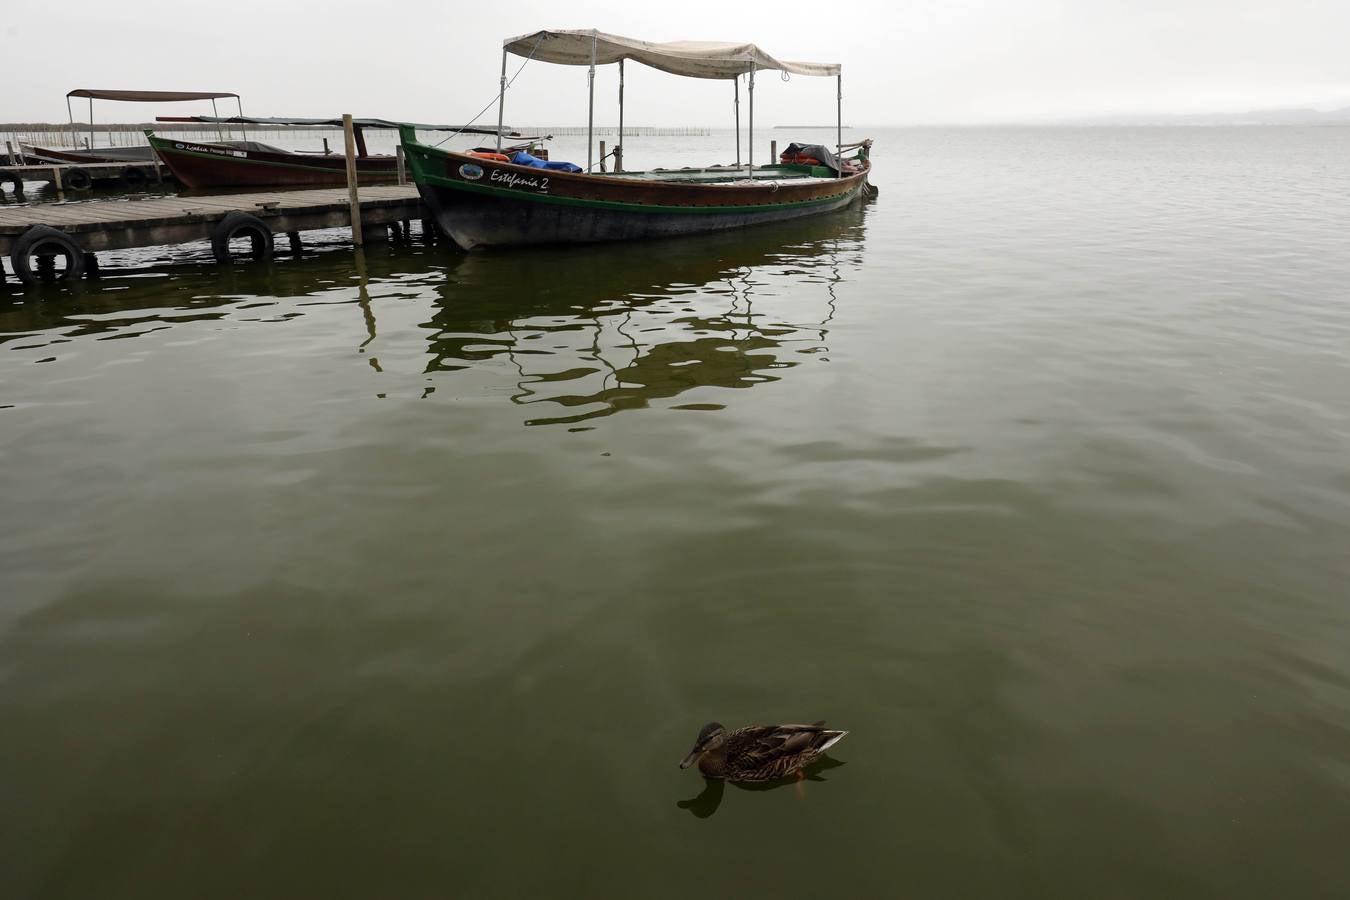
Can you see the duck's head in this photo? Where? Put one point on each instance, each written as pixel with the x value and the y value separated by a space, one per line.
pixel 710 738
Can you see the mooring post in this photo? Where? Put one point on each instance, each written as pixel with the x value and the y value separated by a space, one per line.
pixel 773 152
pixel 9 148
pixel 602 156
pixel 349 138
pixel 296 246
pixel 402 172
pixel 618 158
pixel 56 179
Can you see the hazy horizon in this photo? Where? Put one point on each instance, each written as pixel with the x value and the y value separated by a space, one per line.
pixel 969 62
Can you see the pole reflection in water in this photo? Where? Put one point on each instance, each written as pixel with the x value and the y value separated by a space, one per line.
pixel 595 331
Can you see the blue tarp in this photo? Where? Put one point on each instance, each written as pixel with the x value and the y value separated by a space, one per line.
pixel 521 158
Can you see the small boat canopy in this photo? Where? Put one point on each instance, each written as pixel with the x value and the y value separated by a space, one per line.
pixel 143 97
pixel 151 96
pixel 693 59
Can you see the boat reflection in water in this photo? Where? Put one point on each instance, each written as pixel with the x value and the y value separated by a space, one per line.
pixel 595 330
pixel 571 333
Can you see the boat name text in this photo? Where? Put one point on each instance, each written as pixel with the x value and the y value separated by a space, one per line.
pixel 217 151
pixel 515 180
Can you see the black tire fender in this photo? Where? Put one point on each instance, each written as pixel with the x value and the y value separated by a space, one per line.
pixel 13 179
pixel 40 240
pixel 135 177
pixel 77 179
pixel 241 224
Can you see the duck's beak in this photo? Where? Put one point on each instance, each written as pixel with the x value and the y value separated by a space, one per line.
pixel 691 758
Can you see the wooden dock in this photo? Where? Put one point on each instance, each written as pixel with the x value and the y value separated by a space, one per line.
pixel 76 231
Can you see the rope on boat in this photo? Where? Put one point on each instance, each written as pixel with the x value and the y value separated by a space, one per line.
pixel 499 95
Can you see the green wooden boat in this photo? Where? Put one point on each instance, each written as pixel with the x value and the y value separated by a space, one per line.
pixel 484 199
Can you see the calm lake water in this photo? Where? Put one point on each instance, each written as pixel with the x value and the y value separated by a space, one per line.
pixel 417 576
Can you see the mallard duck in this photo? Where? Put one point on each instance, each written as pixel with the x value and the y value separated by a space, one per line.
pixel 759 752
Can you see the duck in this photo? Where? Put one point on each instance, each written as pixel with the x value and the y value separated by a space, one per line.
pixel 759 752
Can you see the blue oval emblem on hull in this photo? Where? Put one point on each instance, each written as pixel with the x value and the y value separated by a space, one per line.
pixel 470 171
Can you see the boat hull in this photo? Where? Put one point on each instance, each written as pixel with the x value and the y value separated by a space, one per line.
pixel 79 157
pixel 207 165
pixel 473 221
pixel 484 203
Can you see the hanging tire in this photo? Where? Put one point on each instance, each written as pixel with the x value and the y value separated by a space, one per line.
pixel 43 241
pixel 13 179
pixel 241 224
pixel 135 177
pixel 77 179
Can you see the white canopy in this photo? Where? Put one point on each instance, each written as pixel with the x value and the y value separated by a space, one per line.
pixel 694 59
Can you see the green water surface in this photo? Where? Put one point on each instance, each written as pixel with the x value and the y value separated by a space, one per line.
pixel 415 574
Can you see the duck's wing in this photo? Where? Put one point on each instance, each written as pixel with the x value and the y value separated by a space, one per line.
pixel 775 750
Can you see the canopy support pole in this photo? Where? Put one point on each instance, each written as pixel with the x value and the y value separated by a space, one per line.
pixel 590 115
pixel 738 120
pixel 74 142
pixel 501 100
pixel 839 122
pixel 618 160
pixel 751 145
pixel 215 114
pixel 91 123
pixel 239 104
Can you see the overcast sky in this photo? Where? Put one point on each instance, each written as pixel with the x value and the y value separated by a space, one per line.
pixel 905 62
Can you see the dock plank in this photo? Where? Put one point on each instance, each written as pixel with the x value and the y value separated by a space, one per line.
pixel 121 223
pixel 88 212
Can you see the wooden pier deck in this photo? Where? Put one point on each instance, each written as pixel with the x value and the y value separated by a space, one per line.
pixel 123 223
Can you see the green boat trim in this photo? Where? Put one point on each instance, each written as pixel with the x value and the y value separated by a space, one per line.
pixel 509 194
pixel 418 154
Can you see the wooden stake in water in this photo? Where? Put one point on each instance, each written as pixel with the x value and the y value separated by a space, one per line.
pixel 402 170
pixel 349 139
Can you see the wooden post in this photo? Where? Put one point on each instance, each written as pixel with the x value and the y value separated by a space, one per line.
pixel 773 152
pixel 349 139
pixel 618 158
pixel 402 171
pixel 602 156
pixel 9 148
pixel 56 179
